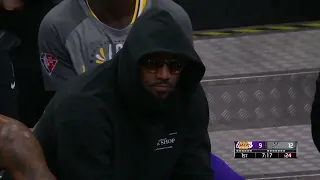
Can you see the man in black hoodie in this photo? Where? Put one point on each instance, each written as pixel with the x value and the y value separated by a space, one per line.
pixel 143 115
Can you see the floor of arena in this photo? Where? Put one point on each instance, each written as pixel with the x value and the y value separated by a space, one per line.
pixel 263 85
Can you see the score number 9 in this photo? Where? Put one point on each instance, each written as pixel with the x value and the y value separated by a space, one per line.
pixel 260 145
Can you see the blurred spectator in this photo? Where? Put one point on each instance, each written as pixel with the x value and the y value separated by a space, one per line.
pixel 315 116
pixel 8 41
pixel 8 92
pixel 22 19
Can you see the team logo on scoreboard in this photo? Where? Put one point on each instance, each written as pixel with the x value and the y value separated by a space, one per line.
pixel 244 145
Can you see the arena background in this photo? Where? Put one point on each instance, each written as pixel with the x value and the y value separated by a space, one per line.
pixel 259 79
pixel 262 60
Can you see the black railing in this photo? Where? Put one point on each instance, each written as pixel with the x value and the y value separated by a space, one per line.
pixel 216 14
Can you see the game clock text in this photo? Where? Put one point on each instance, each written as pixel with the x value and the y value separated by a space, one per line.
pixel 265 149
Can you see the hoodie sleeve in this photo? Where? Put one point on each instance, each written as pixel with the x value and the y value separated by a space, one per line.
pixel 83 139
pixel 315 116
pixel 194 163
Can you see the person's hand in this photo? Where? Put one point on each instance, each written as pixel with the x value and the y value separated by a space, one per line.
pixel 11 5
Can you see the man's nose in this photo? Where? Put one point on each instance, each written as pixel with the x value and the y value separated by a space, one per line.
pixel 163 72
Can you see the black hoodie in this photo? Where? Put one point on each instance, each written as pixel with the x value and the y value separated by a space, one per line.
pixel 105 126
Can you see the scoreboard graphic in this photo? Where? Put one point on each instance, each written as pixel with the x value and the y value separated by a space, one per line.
pixel 266 149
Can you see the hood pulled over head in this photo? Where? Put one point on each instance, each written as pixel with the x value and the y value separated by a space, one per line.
pixel 156 32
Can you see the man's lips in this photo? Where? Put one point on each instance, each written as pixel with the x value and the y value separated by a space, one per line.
pixel 162 87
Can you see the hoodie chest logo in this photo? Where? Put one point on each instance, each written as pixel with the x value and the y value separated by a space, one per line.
pixel 166 142
pixel 105 52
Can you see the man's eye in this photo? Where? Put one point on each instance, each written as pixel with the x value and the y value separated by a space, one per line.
pixel 150 61
pixel 176 64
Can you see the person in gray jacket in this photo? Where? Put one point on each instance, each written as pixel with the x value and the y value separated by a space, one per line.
pixel 79 35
